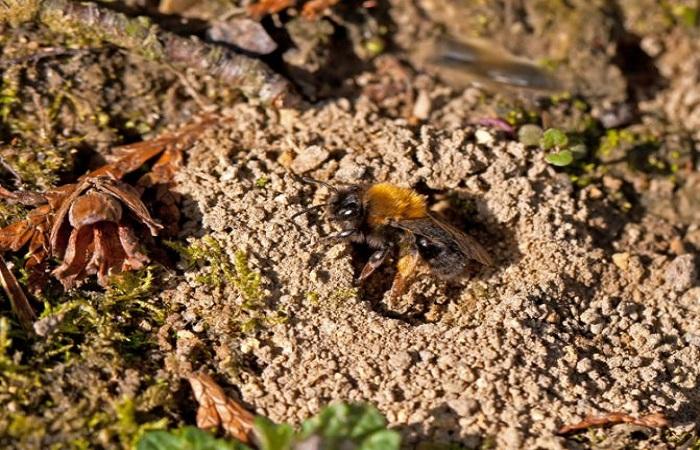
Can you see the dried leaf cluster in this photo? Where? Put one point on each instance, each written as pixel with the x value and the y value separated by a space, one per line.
pixel 94 226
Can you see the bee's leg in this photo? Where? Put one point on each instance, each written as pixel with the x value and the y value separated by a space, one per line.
pixel 374 262
pixel 340 235
pixel 406 266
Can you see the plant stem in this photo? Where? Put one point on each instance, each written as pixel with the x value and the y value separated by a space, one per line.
pixel 93 22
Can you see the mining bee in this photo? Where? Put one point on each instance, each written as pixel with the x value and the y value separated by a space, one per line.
pixel 390 218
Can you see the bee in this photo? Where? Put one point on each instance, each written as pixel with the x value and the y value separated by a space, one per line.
pixel 461 62
pixel 393 219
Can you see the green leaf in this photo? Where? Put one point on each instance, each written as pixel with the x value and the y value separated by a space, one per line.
pixel 351 426
pixel 382 440
pixel 553 138
pixel 272 436
pixel 187 438
pixel 561 159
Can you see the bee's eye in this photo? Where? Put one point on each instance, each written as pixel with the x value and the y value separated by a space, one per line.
pixel 349 209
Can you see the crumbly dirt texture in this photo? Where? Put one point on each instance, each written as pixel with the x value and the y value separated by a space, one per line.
pixel 592 305
pixel 559 329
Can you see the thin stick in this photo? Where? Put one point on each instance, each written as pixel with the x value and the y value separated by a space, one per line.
pixel 655 420
pixel 20 304
pixel 5 165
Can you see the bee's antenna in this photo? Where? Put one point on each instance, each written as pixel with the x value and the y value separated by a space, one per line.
pixel 309 180
pixel 308 210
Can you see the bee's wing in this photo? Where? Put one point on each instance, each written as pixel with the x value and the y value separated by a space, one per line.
pixel 435 229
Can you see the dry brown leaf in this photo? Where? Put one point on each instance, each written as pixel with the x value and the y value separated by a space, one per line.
pixel 314 8
pixel 655 420
pixel 100 242
pixel 216 408
pixel 88 231
pixel 128 158
pixel 264 7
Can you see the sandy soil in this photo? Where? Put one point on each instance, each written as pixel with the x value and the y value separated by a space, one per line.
pixel 591 307
pixel 559 329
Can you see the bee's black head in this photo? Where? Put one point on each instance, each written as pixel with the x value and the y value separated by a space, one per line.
pixel 345 208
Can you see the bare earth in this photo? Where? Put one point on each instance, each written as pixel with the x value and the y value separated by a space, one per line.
pixel 559 329
pixel 592 306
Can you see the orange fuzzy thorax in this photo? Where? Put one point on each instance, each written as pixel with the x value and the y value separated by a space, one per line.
pixel 387 202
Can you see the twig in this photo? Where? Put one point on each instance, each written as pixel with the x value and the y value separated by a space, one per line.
pixel 655 420
pixel 5 165
pixel 51 52
pixel 20 304
pixel 139 35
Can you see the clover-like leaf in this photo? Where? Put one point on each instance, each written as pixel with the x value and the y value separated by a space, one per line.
pixel 560 159
pixel 186 438
pixel 554 138
pixel 272 436
pixel 341 424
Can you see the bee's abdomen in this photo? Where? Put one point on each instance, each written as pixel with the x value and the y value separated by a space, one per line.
pixel 445 260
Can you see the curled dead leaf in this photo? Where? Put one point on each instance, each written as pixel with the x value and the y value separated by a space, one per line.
pixel 97 237
pixel 217 409
pixel 89 224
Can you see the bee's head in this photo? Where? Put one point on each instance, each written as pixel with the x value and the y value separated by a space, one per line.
pixel 346 209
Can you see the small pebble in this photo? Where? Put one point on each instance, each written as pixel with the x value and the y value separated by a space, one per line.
pixel 621 260
pixel 681 273
pixel 483 137
pixel 309 159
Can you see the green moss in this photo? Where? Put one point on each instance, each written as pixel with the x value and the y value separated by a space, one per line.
pixel 488 443
pixel 127 427
pixel 246 280
pixel 344 294
pixel 39 168
pixel 313 297
pixel 18 11
pixel 519 116
pixel 685 15
pixel 262 182
pixel 7 364
pixel 375 46
pixel 91 340
pixel 208 253
pixel 612 141
pixel 9 92
pixel 11 213
pixel 217 270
